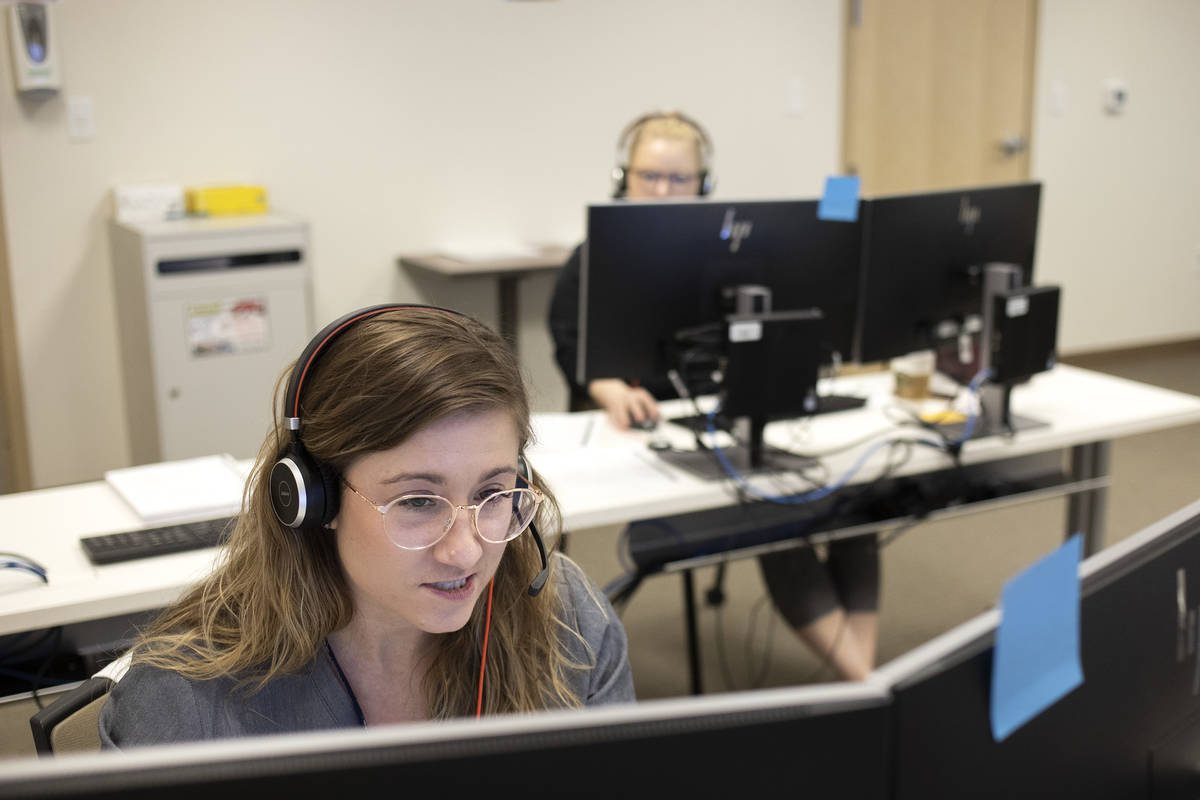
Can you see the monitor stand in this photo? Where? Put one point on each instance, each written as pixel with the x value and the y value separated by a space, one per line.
pixel 827 403
pixel 994 419
pixel 990 426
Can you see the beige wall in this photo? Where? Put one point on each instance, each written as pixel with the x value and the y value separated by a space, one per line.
pixel 1120 221
pixel 398 126
pixel 391 127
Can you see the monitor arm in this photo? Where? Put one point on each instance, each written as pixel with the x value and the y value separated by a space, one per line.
pixel 994 397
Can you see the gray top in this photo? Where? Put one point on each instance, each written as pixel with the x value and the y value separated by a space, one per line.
pixel 151 705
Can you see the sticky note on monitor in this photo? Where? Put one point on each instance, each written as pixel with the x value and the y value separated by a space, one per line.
pixel 840 200
pixel 1036 658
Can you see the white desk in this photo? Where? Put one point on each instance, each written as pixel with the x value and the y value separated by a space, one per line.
pixel 614 478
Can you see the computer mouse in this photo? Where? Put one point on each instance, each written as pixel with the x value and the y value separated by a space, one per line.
pixel 647 424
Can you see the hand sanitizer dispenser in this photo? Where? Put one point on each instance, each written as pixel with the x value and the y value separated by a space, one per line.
pixel 34 46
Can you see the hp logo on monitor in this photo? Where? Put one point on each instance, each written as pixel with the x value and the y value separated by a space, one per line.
pixel 733 231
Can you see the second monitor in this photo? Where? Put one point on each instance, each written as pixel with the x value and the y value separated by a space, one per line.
pixel 924 260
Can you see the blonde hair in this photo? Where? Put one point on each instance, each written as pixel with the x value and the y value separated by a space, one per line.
pixel 266 609
pixel 668 125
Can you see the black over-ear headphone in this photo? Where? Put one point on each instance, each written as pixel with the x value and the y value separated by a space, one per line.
pixel 620 173
pixel 305 493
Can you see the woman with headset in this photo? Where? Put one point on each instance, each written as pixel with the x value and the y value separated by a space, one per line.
pixel 831 603
pixel 387 564
pixel 661 154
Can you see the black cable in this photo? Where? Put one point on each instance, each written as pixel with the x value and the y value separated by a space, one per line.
pixel 755 678
pixel 757 681
pixel 950 446
pixel 715 595
pixel 722 657
pixel 41 673
pixel 623 585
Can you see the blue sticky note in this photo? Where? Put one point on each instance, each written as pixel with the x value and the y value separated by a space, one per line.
pixel 1036 658
pixel 840 201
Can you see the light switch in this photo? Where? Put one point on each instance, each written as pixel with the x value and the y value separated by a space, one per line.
pixel 81 119
pixel 1058 98
pixel 795 105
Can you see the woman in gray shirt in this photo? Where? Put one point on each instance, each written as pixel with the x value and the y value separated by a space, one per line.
pixel 387 564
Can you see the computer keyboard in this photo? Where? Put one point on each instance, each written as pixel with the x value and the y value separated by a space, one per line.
pixel 109 548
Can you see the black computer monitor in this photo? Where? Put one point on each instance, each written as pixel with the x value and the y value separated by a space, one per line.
pixel 923 257
pixel 822 741
pixel 1131 730
pixel 653 268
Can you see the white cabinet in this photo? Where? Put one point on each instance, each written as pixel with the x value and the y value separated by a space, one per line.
pixel 210 312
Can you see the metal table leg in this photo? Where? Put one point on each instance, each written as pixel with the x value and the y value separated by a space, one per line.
pixel 693 638
pixel 507 293
pixel 1086 510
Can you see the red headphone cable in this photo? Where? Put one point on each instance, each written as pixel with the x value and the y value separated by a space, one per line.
pixel 487 624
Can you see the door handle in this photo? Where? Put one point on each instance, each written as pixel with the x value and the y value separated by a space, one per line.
pixel 1013 144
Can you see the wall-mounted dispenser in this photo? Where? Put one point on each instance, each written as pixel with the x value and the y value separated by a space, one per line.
pixel 34 45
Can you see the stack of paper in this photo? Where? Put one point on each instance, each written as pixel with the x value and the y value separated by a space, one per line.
pixel 192 488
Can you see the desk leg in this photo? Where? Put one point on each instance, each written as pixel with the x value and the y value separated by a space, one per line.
pixel 1086 510
pixel 693 638
pixel 509 284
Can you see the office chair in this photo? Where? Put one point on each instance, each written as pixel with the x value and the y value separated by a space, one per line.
pixel 71 723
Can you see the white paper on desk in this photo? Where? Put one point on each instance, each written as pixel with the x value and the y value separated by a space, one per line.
pixel 561 431
pixel 177 490
pixel 583 482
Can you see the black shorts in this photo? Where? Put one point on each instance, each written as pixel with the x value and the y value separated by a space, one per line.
pixel 803 587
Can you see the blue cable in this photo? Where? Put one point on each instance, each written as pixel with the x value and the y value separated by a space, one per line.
pixel 26 567
pixel 972 390
pixel 815 494
pixel 825 491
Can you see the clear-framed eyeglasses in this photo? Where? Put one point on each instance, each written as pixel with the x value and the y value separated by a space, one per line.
pixel 676 180
pixel 419 521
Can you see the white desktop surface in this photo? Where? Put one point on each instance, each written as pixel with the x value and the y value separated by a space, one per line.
pixel 616 478
pixel 46 525
pixel 613 478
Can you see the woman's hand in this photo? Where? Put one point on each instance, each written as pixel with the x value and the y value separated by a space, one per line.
pixel 624 404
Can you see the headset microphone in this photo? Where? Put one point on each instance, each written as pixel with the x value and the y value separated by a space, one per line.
pixel 539 580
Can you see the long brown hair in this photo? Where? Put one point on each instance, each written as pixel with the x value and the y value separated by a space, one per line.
pixel 267 608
